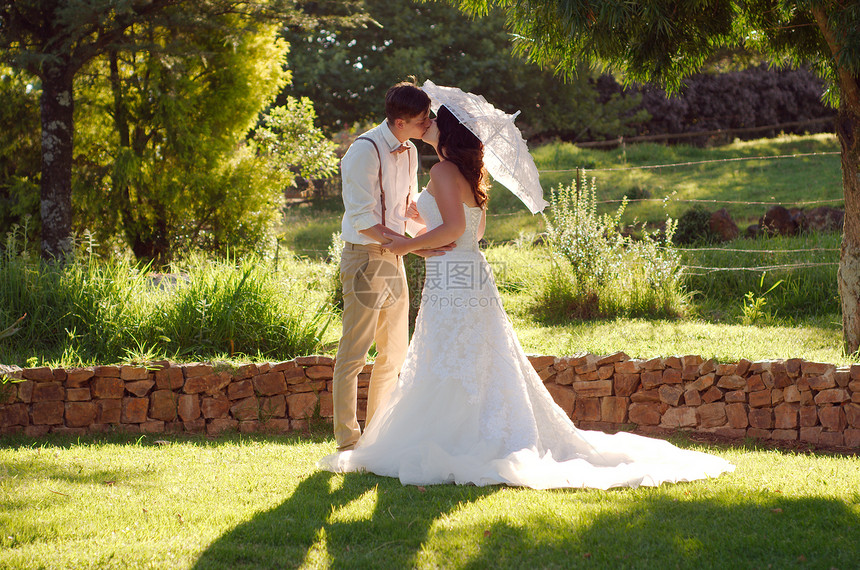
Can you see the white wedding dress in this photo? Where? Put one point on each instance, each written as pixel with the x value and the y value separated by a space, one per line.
pixel 469 407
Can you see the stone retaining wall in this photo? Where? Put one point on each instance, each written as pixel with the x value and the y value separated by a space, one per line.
pixel 791 400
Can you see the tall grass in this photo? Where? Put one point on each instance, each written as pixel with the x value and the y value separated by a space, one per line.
pixel 239 308
pixel 87 311
pixel 805 291
pixel 77 310
pixel 599 271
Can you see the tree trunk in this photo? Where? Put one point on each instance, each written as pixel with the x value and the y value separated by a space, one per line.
pixel 119 176
pixel 57 115
pixel 148 239
pixel 848 131
pixel 120 115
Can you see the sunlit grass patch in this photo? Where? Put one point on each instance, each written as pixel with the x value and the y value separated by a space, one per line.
pixel 647 338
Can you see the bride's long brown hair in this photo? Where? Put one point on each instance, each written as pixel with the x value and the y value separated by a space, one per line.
pixel 459 145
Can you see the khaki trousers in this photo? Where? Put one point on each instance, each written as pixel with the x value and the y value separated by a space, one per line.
pixel 375 308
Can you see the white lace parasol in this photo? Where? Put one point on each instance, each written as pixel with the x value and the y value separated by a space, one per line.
pixel 506 155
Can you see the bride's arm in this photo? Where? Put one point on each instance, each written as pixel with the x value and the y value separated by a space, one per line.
pixel 439 250
pixel 445 177
pixel 413 214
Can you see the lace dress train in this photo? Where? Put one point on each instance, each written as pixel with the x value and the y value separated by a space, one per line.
pixel 470 409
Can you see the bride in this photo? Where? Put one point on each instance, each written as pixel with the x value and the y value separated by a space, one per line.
pixel 469 408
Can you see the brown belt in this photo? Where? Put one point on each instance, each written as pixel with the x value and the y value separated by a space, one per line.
pixel 370 247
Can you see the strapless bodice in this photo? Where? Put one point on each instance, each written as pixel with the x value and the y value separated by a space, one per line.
pixel 429 210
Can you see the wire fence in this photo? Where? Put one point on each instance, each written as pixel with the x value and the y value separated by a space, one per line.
pixel 695 162
pixel 583 172
pixel 703 270
pixel 692 269
pixel 734 250
pixel 720 133
pixel 697 201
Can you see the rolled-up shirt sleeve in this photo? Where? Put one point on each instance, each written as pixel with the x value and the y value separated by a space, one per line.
pixel 360 173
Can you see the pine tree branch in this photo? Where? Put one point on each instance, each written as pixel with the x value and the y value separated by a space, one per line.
pixel 848 82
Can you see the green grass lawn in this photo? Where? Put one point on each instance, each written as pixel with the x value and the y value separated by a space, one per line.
pixel 787 180
pixel 646 338
pixel 259 502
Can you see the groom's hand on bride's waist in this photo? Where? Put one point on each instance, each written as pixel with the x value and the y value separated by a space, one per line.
pixel 435 251
pixel 379 233
pixel 389 233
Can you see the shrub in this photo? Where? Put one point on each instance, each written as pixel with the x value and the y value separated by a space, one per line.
pixel 694 227
pixel 600 272
pixel 587 240
pixel 758 96
pixel 754 97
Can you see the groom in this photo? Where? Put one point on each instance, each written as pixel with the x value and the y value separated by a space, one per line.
pixel 380 179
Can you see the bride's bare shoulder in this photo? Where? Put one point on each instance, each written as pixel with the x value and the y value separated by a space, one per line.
pixel 444 169
pixel 445 178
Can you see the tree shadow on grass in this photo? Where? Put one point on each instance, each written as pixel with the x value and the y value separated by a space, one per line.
pixel 316 526
pixel 360 520
pixel 645 528
pixel 723 531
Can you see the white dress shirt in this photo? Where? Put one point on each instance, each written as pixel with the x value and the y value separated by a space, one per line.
pixel 361 194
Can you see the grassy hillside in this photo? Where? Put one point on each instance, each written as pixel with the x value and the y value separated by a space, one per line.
pixel 721 178
pixel 654 192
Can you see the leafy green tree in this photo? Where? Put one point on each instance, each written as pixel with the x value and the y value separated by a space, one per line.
pixel 288 139
pixel 665 41
pixel 165 134
pixel 55 39
pixel 346 69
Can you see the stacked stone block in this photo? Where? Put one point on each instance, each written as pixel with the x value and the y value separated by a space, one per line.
pixel 786 400
pixel 165 397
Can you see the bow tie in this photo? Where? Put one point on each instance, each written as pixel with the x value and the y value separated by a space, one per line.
pixel 402 148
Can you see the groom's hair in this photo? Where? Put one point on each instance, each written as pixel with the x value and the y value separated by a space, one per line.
pixel 405 100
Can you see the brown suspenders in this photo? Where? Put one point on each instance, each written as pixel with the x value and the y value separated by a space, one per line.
pixel 381 189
